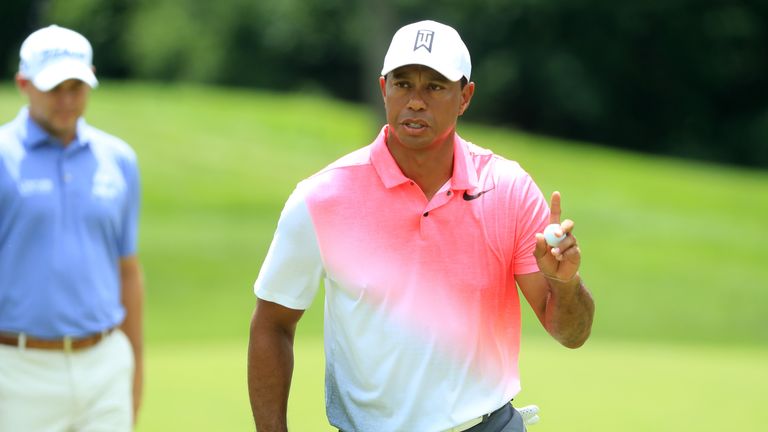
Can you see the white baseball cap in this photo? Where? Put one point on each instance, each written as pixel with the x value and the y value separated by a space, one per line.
pixel 431 44
pixel 55 54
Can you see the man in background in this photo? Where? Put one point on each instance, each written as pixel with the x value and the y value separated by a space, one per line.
pixel 71 291
pixel 422 240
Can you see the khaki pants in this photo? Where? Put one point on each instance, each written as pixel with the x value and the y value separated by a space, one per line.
pixel 87 390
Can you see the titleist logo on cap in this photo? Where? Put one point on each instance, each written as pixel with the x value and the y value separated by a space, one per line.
pixel 43 57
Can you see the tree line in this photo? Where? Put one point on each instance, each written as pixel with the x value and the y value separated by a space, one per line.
pixel 678 77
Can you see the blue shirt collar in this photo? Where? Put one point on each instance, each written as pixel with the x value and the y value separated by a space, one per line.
pixel 37 136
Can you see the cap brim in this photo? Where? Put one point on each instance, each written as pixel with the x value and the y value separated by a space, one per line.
pixel 452 75
pixel 61 71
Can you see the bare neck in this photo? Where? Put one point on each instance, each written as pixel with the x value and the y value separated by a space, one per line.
pixel 428 168
pixel 65 136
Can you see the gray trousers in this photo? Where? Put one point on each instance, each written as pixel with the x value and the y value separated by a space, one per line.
pixel 506 419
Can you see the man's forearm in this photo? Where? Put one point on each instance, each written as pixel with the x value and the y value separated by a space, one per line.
pixel 569 313
pixel 132 287
pixel 270 366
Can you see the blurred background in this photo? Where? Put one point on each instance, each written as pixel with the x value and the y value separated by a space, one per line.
pixel 651 118
pixel 676 77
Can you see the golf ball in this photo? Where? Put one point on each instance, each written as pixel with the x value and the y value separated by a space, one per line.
pixel 550 236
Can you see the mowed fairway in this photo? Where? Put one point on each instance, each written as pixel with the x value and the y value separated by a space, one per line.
pixel 673 252
pixel 602 387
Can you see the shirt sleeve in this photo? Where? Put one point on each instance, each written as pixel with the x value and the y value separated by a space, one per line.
pixel 129 235
pixel 292 269
pixel 532 218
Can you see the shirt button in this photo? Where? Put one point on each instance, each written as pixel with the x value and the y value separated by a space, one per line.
pixel 449 193
pixel 67 177
pixel 426 214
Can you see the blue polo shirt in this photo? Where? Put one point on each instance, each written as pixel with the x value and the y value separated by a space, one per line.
pixel 67 216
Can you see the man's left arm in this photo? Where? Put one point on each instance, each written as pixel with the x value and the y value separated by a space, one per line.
pixel 557 293
pixel 132 285
pixel 565 309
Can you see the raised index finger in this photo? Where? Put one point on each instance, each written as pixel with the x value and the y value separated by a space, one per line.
pixel 554 208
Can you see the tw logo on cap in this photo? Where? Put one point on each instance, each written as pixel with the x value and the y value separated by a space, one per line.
pixel 424 40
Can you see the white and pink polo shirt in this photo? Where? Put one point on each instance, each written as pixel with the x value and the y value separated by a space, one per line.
pixel 422 315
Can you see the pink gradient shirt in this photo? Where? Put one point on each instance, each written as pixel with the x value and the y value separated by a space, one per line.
pixel 422 313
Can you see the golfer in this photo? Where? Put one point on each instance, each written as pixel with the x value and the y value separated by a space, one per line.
pixel 422 240
pixel 70 285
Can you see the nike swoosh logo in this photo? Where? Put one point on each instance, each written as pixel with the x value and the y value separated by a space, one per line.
pixel 468 197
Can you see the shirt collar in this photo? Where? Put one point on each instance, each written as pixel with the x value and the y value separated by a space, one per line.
pixel 384 162
pixel 36 136
pixel 464 175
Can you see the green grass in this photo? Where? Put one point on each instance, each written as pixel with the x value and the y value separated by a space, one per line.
pixel 673 252
pixel 602 387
